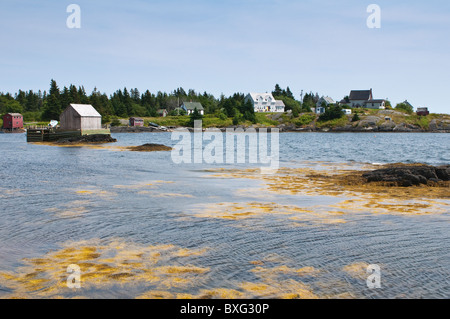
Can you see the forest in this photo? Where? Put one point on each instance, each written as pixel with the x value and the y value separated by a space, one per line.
pixel 124 103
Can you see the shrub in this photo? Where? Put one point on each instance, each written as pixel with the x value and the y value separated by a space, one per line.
pixel 331 113
pixel 356 117
pixel 115 122
pixel 305 119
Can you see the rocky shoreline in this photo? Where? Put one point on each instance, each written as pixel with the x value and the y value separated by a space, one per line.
pixel 87 139
pixel 404 175
pixel 405 128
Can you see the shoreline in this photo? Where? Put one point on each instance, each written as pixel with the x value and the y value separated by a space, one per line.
pixel 124 129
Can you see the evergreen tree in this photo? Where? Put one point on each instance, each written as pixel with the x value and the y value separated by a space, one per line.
pixel 52 107
pixel 195 116
pixel 278 91
pixel 289 93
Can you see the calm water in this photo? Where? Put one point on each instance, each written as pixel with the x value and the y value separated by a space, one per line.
pixel 39 182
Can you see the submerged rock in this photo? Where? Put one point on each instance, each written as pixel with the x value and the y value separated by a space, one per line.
pixel 409 175
pixel 150 148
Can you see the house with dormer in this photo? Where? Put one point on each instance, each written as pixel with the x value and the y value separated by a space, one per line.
pixel 364 99
pixel 265 102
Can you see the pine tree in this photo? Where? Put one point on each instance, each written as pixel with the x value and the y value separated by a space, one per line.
pixel 52 107
pixel 289 93
pixel 278 91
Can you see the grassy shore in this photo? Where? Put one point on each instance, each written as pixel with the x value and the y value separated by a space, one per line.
pixel 305 120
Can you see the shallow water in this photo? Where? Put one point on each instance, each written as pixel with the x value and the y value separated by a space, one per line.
pixel 234 236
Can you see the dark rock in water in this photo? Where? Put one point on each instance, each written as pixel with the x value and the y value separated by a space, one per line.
pixel 409 175
pixel 88 139
pixel 150 148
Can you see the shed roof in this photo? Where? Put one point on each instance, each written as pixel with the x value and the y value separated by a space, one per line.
pixel 85 110
pixel 14 114
pixel 265 96
pixel 328 99
pixel 193 106
pixel 361 95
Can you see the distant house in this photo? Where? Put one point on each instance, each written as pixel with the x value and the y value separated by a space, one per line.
pixel 12 121
pixel 408 104
pixel 423 111
pixel 265 102
pixel 320 110
pixel 365 99
pixel 325 99
pixel 358 98
pixel 162 113
pixel 279 106
pixel 80 117
pixel 189 107
pixel 136 121
pixel 376 104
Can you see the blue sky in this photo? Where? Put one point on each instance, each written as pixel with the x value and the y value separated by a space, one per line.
pixel 231 46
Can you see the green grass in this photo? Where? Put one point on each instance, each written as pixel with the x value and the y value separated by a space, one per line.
pixel 264 120
pixel 1 122
pixel 421 121
pixel 333 123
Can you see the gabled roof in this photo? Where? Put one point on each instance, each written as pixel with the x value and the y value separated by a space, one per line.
pixel 360 95
pixel 193 106
pixel 328 99
pixel 265 96
pixel 279 103
pixel 85 110
pixel 14 114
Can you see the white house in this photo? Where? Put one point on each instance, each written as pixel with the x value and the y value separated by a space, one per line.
pixel 359 98
pixel 320 110
pixel 265 102
pixel 189 107
pixel 365 99
pixel 376 104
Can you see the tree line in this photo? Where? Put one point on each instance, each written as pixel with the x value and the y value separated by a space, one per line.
pixel 124 103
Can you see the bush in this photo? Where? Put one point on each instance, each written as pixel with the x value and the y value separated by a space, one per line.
pixel 332 113
pixel 305 119
pixel 115 122
pixel 356 117
pixel 405 108
pixel 223 116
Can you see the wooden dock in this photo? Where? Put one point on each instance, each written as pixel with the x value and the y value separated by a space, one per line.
pixel 49 135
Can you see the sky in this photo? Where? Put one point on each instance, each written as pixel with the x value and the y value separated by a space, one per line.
pixel 229 46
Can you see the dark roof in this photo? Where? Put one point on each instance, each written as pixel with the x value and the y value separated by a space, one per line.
pixel 360 95
pixel 376 101
pixel 193 106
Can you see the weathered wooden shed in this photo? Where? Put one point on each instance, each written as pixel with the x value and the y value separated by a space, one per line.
pixel 80 117
pixel 12 121
pixel 136 121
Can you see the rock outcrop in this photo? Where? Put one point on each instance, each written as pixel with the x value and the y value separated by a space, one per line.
pixel 150 148
pixel 87 139
pixel 409 175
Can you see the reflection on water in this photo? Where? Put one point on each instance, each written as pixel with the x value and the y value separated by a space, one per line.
pixel 140 226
